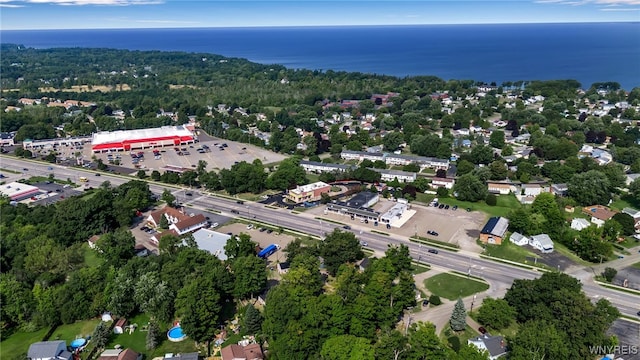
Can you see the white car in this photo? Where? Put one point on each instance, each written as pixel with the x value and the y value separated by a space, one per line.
pixel 214 225
pixel 250 226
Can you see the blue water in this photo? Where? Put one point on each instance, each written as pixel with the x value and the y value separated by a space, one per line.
pixel 176 333
pixel 587 52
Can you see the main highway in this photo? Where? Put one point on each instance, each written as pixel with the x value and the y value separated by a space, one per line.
pixel 497 274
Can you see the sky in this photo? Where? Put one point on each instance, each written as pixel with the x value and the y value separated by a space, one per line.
pixel 108 14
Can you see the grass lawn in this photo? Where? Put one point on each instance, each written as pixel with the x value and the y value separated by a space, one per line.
pixel 505 204
pixel 636 265
pixel 509 251
pixel 562 249
pixel 419 269
pixel 629 242
pixel 313 177
pixel 625 201
pixel 456 340
pixel 451 287
pixel 18 343
pixel 424 198
pixel 70 332
pixel 91 258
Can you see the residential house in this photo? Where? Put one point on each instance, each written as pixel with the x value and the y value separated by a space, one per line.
pixel 635 214
pixel 193 223
pixel 402 176
pixel 501 188
pixel 361 155
pixel 580 224
pixel 157 236
pixel 318 167
pixel 494 345
pixel 173 215
pixel 6 139
pixel 364 264
pixel 49 350
pixel 531 190
pixel 443 182
pixel 182 356
pixel 212 241
pixel 120 354
pixel 599 214
pixel 519 239
pixel 238 352
pixel 309 192
pixel 542 242
pixel 494 230
pixel 631 178
pixel 560 189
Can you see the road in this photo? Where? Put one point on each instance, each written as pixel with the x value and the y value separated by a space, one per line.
pixel 499 275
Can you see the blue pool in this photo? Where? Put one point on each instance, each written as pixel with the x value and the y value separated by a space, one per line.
pixel 77 343
pixel 175 334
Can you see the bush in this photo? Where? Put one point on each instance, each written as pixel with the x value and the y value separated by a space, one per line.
pixel 435 300
pixel 442 192
pixel 491 200
pixel 609 274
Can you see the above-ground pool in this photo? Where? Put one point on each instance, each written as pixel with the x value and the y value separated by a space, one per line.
pixel 175 334
pixel 77 343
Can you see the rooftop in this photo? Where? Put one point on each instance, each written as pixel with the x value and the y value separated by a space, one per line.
pixel 495 226
pixel 106 137
pixel 310 187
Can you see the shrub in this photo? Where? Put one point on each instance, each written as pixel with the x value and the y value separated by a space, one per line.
pixel 435 300
pixel 491 200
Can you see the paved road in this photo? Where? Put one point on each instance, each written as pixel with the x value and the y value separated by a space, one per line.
pixel 500 276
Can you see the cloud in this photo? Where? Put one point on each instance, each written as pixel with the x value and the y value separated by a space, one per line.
pixel 586 2
pixel 22 3
pixel 619 9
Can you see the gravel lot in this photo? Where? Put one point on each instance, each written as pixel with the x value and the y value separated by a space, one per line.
pixel 262 238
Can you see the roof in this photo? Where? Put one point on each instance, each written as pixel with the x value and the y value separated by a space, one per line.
pixel 544 240
pixel 516 237
pixel 495 344
pixel 599 212
pixel 581 221
pixel 121 322
pixel 17 190
pixel 172 212
pixel 496 226
pixel 185 356
pixel 310 187
pixel 128 354
pixel 212 241
pixel 361 199
pixel 235 351
pixel 631 212
pixel 284 265
pixel 45 349
pixel 108 137
pixel 327 165
pixel 190 221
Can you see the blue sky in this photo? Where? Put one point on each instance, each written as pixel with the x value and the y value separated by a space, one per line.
pixel 93 14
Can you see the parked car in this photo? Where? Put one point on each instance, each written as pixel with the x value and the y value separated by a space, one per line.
pixel 441 206
pixel 250 226
pixel 97 174
pixel 189 194
pixel 425 302
pixel 433 233
pixel 446 207
pixel 432 251
pixel 482 330
pixel 262 229
pixel 468 209
pixel 269 231
pixel 455 207
pixel 214 225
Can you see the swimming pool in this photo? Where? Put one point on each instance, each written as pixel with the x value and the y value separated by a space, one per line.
pixel 77 343
pixel 175 334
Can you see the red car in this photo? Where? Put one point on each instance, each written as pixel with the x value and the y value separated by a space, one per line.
pixel 482 330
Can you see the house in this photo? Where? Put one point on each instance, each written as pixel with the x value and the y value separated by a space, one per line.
pixel 494 345
pixel 309 192
pixel 494 230
pixel 631 178
pixel 580 224
pixel 119 354
pixel 364 264
pixel 443 182
pixel 635 214
pixel 402 176
pixel 599 214
pixel 173 215
pixel 238 352
pixel 156 237
pixel 190 224
pixel 559 189
pixel 531 190
pixel 501 188
pixel 542 242
pixel 93 241
pixel 283 267
pixel 519 239
pixel 183 356
pixel 212 241
pixel 49 350
pixel 120 326
pixel 318 167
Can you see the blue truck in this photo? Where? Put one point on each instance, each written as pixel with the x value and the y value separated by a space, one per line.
pixel 266 252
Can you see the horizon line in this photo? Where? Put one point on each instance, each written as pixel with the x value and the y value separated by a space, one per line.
pixel 328 26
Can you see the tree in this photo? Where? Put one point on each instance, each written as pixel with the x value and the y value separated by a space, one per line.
pixel 589 188
pixel 199 306
pixel 101 335
pixel 434 300
pixel 626 222
pixel 250 276
pixel 168 197
pixel 252 320
pixel 458 321
pixel 399 257
pixel 498 170
pixel 496 313
pixel 117 247
pixel 391 345
pixel 529 345
pixel 347 347
pixel 609 274
pixel 496 139
pixel 392 141
pixel 469 188
pixel 491 200
pixel 288 175
pixel 121 301
pixel 634 189
pixel 481 154
pixel 153 335
pixel 519 220
pixel 464 167
pixel 239 246
pixel 154 297
pixel 339 247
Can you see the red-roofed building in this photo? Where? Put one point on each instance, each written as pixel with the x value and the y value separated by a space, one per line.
pixel 237 352
pixel 127 140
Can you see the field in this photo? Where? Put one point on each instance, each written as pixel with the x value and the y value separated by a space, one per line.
pixel 505 204
pixel 18 343
pixel 510 251
pixel 451 286
pixel 70 332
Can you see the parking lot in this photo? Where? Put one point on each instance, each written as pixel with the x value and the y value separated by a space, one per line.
pixel 263 238
pixel 209 149
pixel 628 334
pixel 455 227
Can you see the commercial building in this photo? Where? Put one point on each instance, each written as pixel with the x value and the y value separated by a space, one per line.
pixel 18 191
pixel 126 140
pixel 494 230
pixel 542 242
pixel 309 192
pixel 212 241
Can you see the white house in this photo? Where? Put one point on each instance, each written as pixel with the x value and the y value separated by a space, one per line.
pixel 519 239
pixel 580 224
pixel 193 223
pixel 531 189
pixel 318 167
pixel 631 177
pixel 542 242
pixel 494 345
pixel 599 214
pixel 49 350
pixel 442 182
pixel 402 176
pixel 501 188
